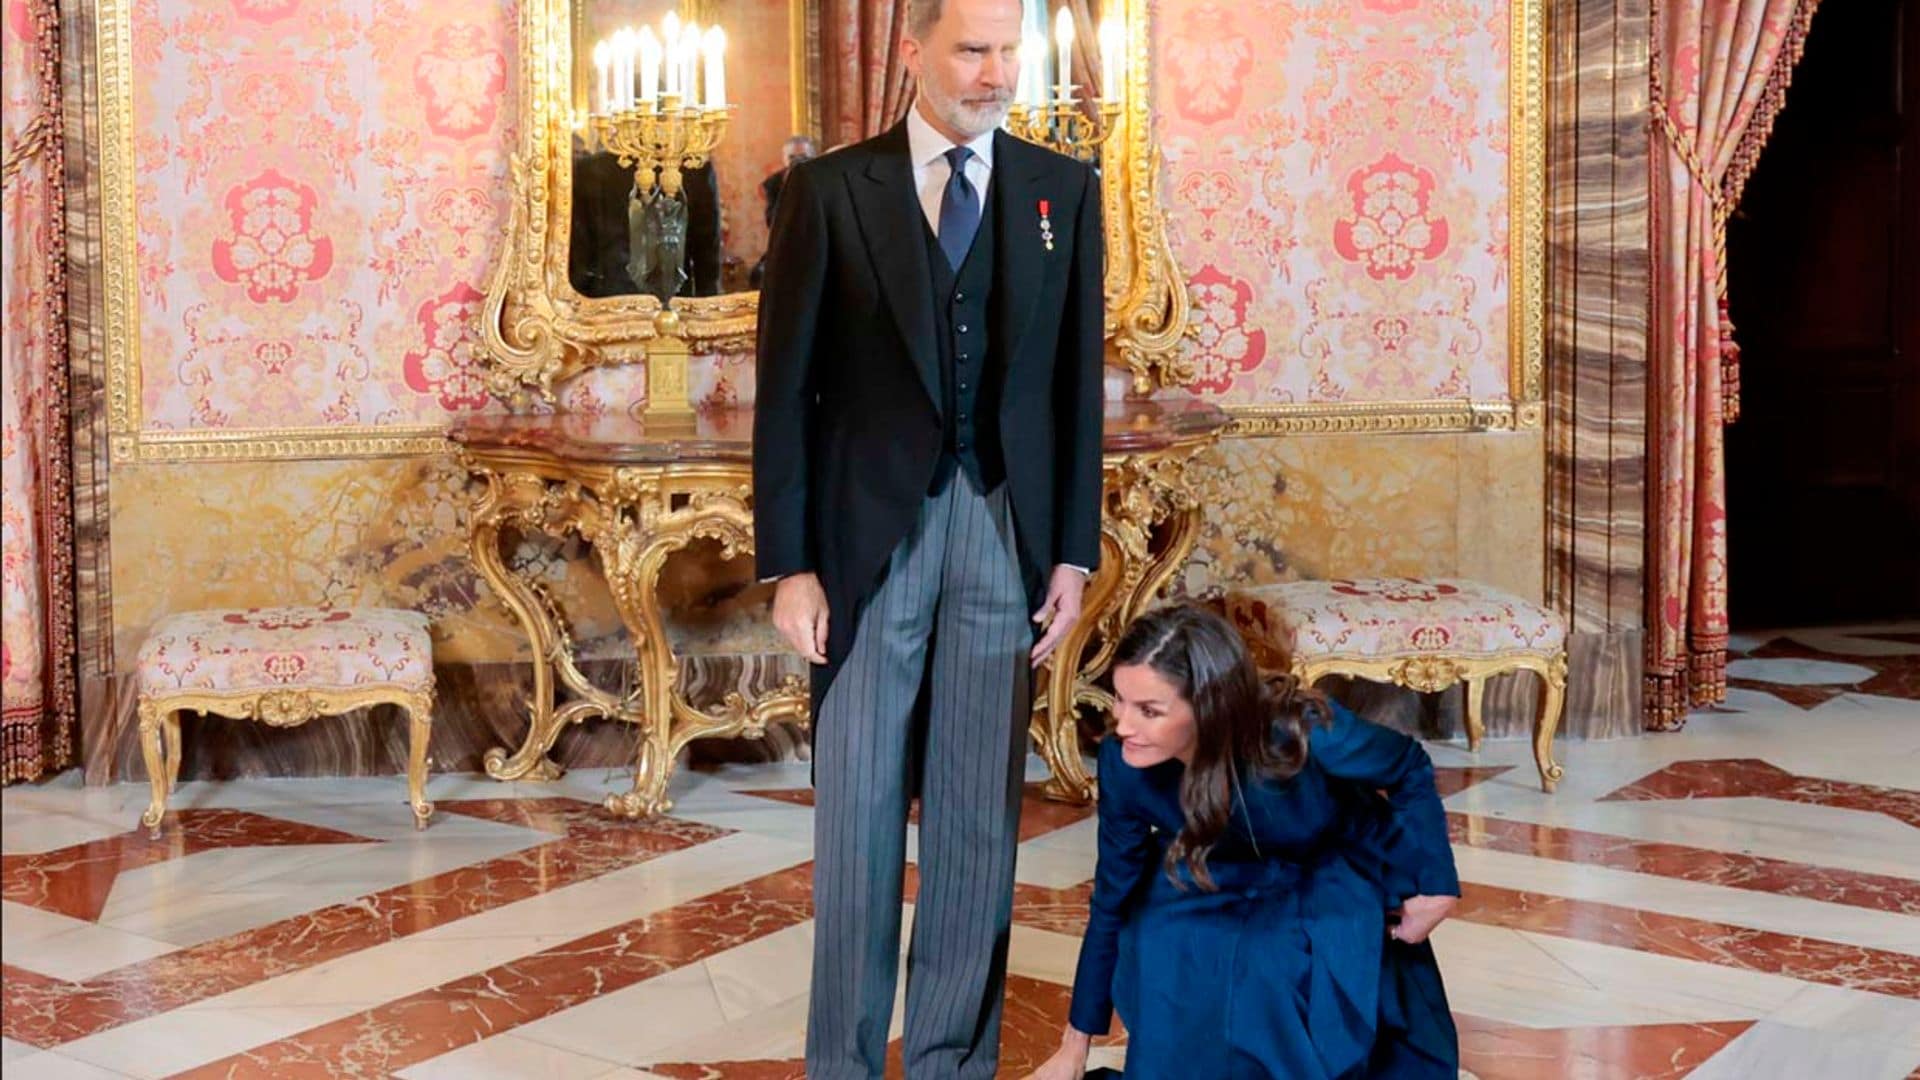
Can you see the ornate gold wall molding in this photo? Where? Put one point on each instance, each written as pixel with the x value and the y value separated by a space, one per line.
pixel 1385 417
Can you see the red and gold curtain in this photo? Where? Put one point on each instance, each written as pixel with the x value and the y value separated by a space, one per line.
pixel 1720 75
pixel 864 85
pixel 36 517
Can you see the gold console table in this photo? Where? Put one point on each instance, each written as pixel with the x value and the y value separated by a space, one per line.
pixel 636 497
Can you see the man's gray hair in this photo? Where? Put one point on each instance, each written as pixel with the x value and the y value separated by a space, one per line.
pixel 922 15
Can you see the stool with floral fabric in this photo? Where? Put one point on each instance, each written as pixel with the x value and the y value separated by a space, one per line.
pixel 282 667
pixel 1424 635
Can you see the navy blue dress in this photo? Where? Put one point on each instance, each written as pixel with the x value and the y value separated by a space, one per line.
pixel 1287 970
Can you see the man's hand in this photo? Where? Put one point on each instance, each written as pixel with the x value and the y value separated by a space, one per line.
pixel 1060 611
pixel 1419 915
pixel 800 614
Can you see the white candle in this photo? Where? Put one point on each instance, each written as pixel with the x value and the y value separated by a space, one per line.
pixel 1033 71
pixel 1063 37
pixel 622 69
pixel 603 76
pixel 670 43
pixel 649 66
pixel 1113 59
pixel 716 42
pixel 689 64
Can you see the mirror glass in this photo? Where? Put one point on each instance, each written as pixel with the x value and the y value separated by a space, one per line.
pixel 703 230
pixel 725 204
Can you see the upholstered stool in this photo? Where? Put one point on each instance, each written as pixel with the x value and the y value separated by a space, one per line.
pixel 282 667
pixel 1424 635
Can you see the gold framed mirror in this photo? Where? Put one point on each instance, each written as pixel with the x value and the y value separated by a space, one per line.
pixel 569 292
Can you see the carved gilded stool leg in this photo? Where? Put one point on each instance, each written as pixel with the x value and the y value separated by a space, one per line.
pixel 171 730
pixel 152 719
pixel 419 735
pixel 1476 699
pixel 1553 699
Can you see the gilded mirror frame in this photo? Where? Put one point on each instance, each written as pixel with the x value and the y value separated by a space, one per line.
pixel 537 332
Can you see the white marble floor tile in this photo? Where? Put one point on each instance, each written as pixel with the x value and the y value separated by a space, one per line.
pixel 1062 858
pixel 30 830
pixel 10 1050
pixel 1043 954
pixel 48 1065
pixel 509 1057
pixel 1689 989
pixel 629 1026
pixel 762 973
pixel 1788 671
pixel 1715 903
pixel 22 925
pixel 1540 981
pixel 1839 1010
pixel 1768 1051
pixel 778 1033
pixel 209 1035
pixel 76 952
pixel 611 899
pixel 1771 828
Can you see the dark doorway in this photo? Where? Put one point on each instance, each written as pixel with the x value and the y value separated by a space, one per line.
pixel 1823 466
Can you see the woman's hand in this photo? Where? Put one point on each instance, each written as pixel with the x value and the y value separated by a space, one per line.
pixel 1419 915
pixel 1070 1061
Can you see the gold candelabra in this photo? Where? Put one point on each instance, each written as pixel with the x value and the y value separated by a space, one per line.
pixel 662 139
pixel 1065 126
pixel 658 138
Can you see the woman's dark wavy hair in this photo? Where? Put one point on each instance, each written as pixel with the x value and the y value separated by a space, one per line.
pixel 1245 725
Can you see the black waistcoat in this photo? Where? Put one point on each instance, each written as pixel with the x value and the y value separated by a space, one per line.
pixel 970 361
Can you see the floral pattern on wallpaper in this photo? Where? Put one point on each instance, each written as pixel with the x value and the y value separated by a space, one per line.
pixel 1336 185
pixel 319 189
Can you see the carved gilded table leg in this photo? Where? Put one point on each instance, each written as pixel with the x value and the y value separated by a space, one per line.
pixel 1151 524
pixel 509 501
pixel 653 517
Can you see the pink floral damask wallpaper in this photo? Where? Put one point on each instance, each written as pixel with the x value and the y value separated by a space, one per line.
pixel 1336 186
pixel 320 186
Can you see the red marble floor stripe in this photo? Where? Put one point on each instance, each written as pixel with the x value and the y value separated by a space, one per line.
pixel 75 881
pixel 1878 892
pixel 48 1012
pixel 412 1029
pixel 1454 779
pixel 1492 1050
pixel 1728 778
pixel 1807 959
pixel 1039 815
pixel 1035 1012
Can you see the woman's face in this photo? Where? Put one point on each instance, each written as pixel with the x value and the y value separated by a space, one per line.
pixel 1153 721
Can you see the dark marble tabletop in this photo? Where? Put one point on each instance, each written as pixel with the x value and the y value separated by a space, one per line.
pixel 727 434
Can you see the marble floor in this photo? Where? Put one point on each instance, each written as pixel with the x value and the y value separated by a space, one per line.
pixel 1739 900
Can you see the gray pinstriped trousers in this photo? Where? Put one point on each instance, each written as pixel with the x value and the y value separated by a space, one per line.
pixel 951 616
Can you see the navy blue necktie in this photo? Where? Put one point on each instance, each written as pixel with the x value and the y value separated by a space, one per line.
pixel 959 209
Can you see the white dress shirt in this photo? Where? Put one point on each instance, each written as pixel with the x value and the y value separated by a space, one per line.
pixel 928 149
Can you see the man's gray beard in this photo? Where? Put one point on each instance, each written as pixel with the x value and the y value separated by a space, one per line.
pixel 972 121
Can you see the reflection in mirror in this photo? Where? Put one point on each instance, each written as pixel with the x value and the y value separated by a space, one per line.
pixel 696 222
